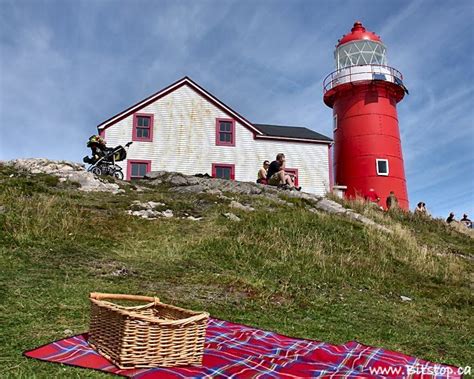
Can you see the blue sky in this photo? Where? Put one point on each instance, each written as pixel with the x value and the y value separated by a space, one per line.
pixel 67 65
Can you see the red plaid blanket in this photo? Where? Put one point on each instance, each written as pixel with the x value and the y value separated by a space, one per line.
pixel 239 351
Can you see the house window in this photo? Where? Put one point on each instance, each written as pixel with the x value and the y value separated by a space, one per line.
pixel 225 132
pixel 334 123
pixel 138 169
pixel 223 171
pixel 382 167
pixel 142 127
pixel 293 172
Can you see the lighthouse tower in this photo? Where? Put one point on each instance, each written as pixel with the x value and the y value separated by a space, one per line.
pixel 363 93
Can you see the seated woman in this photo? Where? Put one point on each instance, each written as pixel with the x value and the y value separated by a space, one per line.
pixel 262 173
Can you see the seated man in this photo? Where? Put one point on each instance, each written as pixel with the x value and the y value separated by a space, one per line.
pixel 277 176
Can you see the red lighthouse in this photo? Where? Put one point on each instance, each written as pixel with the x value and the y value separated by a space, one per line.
pixel 363 93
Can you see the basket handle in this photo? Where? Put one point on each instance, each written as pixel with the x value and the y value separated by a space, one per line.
pixel 116 296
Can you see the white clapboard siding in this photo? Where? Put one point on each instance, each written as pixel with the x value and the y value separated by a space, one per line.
pixel 184 140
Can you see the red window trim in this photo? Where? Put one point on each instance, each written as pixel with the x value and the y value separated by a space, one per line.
pixel 135 122
pixel 226 165
pixel 293 171
pixel 129 166
pixel 218 141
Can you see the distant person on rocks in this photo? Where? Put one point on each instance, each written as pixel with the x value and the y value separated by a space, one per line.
pixel 421 209
pixel 465 220
pixel 277 176
pixel 450 218
pixel 262 173
pixel 392 201
pixel 372 198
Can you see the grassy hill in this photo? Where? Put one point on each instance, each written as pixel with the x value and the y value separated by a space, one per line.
pixel 283 267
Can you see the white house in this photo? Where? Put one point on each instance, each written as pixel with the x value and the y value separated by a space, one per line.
pixel 186 129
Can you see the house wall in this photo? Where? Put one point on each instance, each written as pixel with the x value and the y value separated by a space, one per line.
pixel 184 140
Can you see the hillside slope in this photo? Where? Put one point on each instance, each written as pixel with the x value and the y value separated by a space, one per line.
pixel 284 266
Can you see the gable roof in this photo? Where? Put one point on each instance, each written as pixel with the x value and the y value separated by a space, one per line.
pixel 292 132
pixel 260 131
pixel 165 91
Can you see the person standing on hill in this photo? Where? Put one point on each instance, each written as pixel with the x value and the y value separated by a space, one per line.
pixel 392 201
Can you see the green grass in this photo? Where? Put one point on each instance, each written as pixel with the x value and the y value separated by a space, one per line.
pixel 282 268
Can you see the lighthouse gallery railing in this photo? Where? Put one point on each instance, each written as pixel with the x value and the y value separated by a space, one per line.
pixel 362 73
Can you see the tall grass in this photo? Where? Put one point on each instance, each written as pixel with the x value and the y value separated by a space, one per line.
pixel 29 219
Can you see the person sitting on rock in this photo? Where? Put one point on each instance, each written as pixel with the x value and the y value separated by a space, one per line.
pixel 465 220
pixel 262 173
pixel 421 209
pixel 372 196
pixel 392 201
pixel 450 218
pixel 277 176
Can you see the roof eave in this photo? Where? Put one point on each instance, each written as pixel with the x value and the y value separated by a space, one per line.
pixel 291 139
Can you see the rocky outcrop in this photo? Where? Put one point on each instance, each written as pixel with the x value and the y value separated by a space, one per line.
pixel 66 171
pixel 192 184
pixel 180 183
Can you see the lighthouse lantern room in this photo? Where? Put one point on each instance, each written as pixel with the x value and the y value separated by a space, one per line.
pixel 363 92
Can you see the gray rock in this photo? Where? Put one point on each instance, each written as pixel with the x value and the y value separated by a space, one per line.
pixel 192 218
pixel 155 182
pixel 198 188
pixel 330 206
pixel 66 171
pixel 168 213
pixel 232 217
pixel 123 271
pixel 236 205
pixel 156 174
pixel 153 204
pixel 214 191
pixel 178 180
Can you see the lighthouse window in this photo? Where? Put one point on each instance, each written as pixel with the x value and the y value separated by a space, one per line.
pixel 382 167
pixel 334 122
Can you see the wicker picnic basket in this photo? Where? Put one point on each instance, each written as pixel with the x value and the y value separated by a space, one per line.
pixel 154 334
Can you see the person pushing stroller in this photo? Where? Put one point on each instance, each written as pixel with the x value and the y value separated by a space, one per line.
pixel 98 147
pixel 103 160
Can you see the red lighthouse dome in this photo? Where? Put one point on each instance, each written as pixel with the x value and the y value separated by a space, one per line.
pixel 358 32
pixel 363 92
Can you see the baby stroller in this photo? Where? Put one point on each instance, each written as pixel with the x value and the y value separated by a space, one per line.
pixel 103 158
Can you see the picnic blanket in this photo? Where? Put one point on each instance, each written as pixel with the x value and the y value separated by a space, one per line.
pixel 239 351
